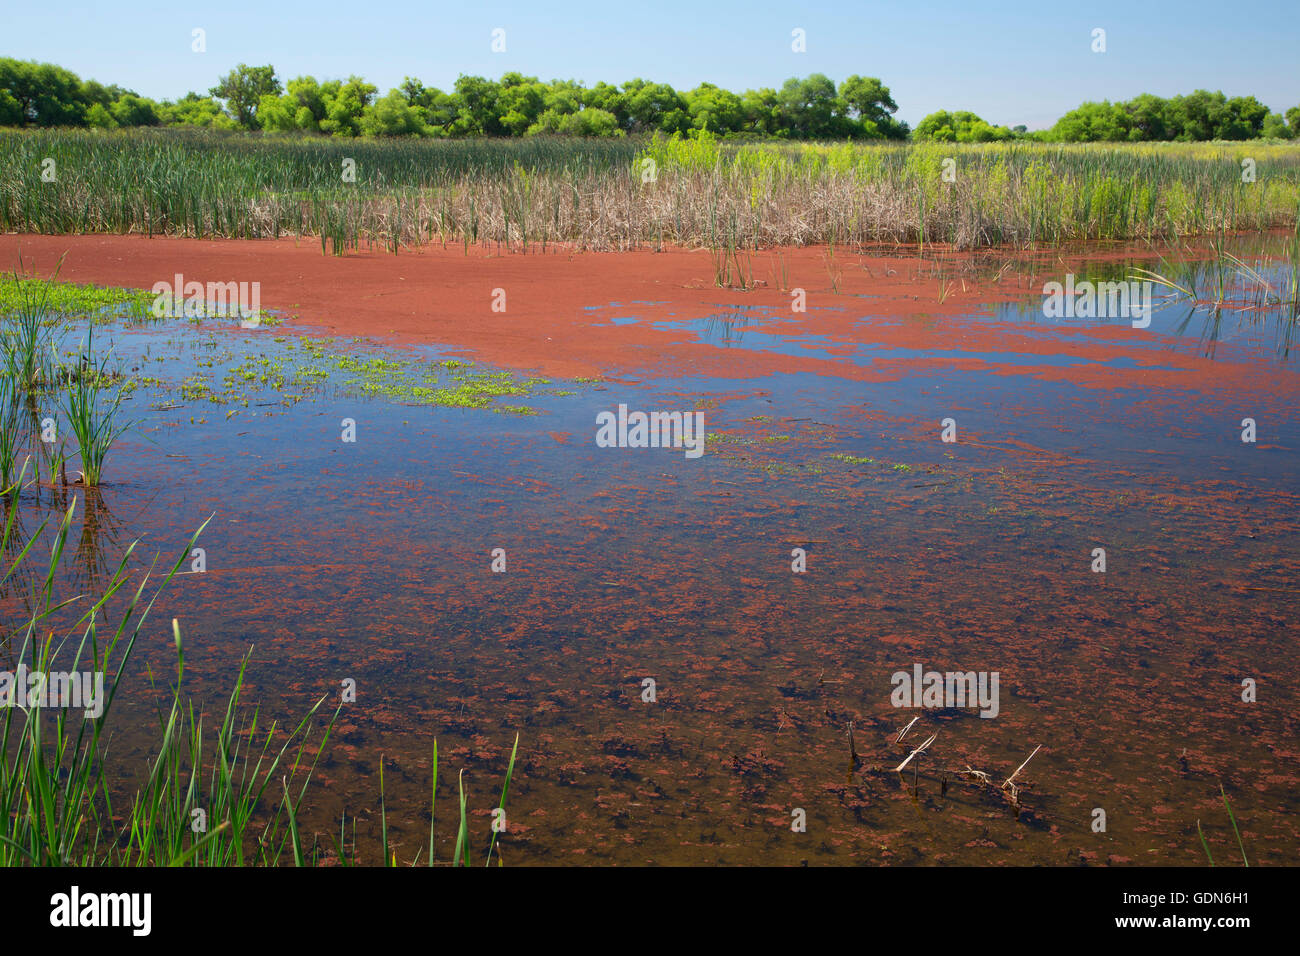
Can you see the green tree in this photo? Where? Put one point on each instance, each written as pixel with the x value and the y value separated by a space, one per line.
pixel 762 111
pixel 520 100
pixel 476 107
pixel 1275 127
pixel 100 118
pixel 242 90
pixel 1149 118
pixel 438 109
pixel 810 109
pixel 1093 122
pixel 392 115
pixel 868 101
pixel 344 105
pixel 715 109
pixel 655 106
pixel 961 126
pixel 41 94
pixel 608 97
pixel 195 110
pixel 132 110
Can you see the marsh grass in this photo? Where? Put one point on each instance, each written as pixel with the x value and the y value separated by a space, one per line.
pixel 720 195
pixel 92 408
pixel 28 333
pixel 33 313
pixel 218 790
pixel 461 855
pixel 57 801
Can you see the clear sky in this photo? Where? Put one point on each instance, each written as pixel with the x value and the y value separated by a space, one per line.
pixel 1011 62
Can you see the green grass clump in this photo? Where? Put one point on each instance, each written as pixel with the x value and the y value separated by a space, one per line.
pixel 92 411
pixel 33 311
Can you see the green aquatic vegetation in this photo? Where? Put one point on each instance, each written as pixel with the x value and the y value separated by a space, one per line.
pixel 853 460
pixel 65 299
pixel 92 412
pixel 27 329
pixel 722 438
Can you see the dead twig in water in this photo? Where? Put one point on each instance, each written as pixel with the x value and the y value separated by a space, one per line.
pixel 917 752
pixel 903 733
pixel 979 775
pixel 1015 791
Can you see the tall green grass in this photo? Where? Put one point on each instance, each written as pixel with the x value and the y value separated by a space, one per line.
pixel 33 312
pixel 223 792
pixel 57 801
pixel 461 855
pixel 27 334
pixel 595 193
pixel 92 410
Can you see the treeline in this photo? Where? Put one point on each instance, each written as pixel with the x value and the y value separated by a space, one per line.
pixel 1144 119
pixel 1199 116
pixel 253 98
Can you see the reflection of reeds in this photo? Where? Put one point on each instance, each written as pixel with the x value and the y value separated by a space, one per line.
pixel 99 534
pixel 1228 283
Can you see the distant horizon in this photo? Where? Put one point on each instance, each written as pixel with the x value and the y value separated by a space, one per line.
pixel 1026 66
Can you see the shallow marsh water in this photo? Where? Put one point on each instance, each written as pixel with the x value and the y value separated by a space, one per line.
pixel 371 561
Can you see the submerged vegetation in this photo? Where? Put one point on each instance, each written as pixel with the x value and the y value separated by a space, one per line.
pixel 620 194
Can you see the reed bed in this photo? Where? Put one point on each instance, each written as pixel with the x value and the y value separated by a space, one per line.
pixel 624 194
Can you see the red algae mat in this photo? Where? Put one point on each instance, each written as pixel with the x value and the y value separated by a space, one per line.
pixel 554 300
pixel 773 688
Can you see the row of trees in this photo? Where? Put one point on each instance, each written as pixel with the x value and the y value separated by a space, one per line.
pixel 1201 115
pixel 253 98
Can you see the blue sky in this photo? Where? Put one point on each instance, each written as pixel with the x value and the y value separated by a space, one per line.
pixel 1009 62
